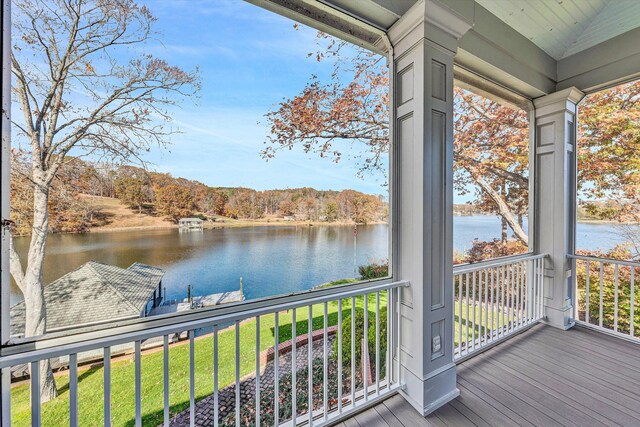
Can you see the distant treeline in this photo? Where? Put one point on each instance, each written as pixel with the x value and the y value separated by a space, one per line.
pixel 163 195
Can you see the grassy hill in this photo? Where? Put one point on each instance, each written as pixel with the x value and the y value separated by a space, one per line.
pixel 115 215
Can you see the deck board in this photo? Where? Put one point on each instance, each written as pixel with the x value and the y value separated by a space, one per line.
pixel 601 350
pixel 388 416
pixel 527 408
pixel 584 381
pixel 561 387
pixel 405 412
pixel 623 379
pixel 522 382
pixel 488 413
pixel 531 392
pixel 473 418
pixel 451 417
pixel 371 417
pixel 562 402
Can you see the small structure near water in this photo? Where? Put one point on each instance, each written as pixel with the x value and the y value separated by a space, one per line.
pixel 193 302
pixel 96 293
pixel 191 224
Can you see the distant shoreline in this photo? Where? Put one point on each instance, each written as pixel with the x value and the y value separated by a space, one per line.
pixel 233 224
pixel 606 222
pixel 217 226
pixel 282 223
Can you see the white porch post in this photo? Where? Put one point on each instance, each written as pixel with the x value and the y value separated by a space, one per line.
pixel 555 198
pixel 424 43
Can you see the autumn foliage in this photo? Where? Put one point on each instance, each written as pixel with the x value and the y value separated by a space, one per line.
pixel 326 117
pixel 68 212
pixel 491 145
pixel 491 140
pixel 609 152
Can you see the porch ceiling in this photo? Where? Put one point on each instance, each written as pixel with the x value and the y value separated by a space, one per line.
pixel 565 27
pixel 559 27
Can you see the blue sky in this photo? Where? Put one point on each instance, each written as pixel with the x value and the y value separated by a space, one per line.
pixel 250 59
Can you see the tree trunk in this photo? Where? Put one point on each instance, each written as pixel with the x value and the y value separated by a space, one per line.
pixel 36 318
pixel 503 208
pixel 504 230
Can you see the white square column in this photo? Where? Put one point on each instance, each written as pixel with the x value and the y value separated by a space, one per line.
pixel 424 43
pixel 555 199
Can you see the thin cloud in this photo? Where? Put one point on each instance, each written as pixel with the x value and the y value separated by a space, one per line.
pixel 226 132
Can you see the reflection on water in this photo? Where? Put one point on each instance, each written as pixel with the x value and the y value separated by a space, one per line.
pixel 271 260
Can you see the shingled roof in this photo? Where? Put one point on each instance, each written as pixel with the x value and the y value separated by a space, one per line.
pixel 94 293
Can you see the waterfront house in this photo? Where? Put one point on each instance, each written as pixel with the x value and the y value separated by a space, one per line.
pixel 96 293
pixel 539 355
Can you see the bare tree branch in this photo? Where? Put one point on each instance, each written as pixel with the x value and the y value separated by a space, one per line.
pixel 62 47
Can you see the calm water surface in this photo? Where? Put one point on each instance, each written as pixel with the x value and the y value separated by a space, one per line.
pixel 589 236
pixel 271 260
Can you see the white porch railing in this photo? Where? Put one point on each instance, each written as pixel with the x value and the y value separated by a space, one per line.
pixel 495 299
pixel 606 298
pixel 327 399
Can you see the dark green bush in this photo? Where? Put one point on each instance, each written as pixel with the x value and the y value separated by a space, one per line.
pixel 346 339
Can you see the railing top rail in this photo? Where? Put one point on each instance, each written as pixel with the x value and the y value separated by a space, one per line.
pixel 604 260
pixel 470 268
pixel 70 344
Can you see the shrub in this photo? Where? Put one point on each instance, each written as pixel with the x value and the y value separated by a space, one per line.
pixel 481 251
pixel 346 340
pixel 375 270
pixel 609 296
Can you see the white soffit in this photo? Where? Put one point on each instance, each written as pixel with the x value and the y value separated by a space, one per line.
pixel 565 27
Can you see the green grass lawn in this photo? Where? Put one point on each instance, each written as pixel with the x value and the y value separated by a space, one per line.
pixel 90 382
pixel 483 321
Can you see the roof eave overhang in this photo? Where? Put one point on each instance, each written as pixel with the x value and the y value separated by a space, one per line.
pixel 491 48
pixel 330 20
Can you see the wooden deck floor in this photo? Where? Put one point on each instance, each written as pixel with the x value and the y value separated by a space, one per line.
pixel 519 383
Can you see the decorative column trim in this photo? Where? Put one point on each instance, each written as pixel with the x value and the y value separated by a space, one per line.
pixel 566 99
pixel 429 12
pixel 430 20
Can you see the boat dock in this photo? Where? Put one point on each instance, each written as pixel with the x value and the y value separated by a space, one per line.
pixel 186 304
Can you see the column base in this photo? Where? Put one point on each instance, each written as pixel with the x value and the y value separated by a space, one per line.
pixel 435 390
pixel 559 318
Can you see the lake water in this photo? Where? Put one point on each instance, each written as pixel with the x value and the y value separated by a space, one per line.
pixel 271 260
